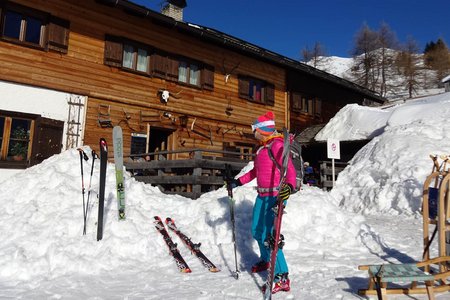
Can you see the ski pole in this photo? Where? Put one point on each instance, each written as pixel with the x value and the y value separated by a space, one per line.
pixel 85 157
pixel 231 200
pixel 89 190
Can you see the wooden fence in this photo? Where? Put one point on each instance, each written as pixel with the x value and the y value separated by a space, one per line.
pixel 199 174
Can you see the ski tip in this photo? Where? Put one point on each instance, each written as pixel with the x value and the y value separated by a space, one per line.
pixel 214 270
pixel 185 270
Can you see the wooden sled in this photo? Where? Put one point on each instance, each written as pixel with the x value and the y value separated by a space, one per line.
pixel 420 281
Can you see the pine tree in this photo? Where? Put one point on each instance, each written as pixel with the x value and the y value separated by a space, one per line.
pixel 437 58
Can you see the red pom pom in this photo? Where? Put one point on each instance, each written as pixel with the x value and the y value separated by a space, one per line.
pixel 270 115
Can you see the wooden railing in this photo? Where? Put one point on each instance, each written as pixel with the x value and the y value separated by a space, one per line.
pixel 199 174
pixel 326 173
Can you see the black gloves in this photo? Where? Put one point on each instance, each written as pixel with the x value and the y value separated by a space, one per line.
pixel 229 178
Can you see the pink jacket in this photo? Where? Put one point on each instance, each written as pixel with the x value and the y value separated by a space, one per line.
pixel 266 172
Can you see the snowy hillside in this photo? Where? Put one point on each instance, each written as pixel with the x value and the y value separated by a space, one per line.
pixel 342 66
pixel 45 256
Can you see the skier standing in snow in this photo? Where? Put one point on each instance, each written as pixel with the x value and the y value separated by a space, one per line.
pixel 268 175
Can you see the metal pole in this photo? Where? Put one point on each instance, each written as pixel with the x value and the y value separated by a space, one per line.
pixel 332 169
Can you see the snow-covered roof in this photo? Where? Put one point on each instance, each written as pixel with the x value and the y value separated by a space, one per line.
pixel 355 122
pixel 445 79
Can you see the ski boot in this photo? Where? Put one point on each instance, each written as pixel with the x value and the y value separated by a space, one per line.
pixel 260 266
pixel 281 283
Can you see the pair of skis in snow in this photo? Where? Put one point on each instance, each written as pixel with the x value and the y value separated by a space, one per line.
pixel 173 249
pixel 118 159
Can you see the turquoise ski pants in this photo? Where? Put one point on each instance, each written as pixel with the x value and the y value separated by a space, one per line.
pixel 262 225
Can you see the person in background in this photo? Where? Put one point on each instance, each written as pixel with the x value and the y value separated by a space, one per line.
pixel 268 176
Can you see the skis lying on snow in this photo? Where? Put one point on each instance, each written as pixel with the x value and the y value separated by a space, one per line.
pixel 195 248
pixel 118 160
pixel 267 288
pixel 101 193
pixel 181 264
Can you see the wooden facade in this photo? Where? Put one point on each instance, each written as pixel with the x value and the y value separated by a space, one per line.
pixel 125 59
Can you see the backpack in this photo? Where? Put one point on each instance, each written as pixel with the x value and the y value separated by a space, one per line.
pixel 297 160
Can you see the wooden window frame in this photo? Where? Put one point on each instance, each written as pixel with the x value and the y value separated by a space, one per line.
pixel 8 161
pixel 42 141
pixel 136 47
pixel 26 13
pixel 161 64
pixel 296 101
pixel 189 63
pixel 248 88
pixel 306 104
pixel 54 31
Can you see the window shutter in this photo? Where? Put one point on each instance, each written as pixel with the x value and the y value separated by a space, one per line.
pixel 113 51
pixel 244 86
pixel 270 95
pixel 158 65
pixel 49 139
pixel 172 69
pixel 58 34
pixel 208 78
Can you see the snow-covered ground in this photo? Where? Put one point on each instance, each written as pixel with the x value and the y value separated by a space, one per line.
pixel 371 216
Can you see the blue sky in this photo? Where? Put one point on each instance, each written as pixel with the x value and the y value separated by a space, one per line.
pixel 288 26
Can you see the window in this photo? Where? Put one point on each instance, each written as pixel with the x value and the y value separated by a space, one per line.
pixel 296 101
pixel 188 73
pixel 239 150
pixel 23 27
pixel 130 55
pixel 306 104
pixel 28 139
pixel 15 138
pixel 256 90
pixel 138 143
pixel 27 26
pixel 135 58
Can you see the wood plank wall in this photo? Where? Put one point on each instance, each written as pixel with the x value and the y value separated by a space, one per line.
pixel 82 71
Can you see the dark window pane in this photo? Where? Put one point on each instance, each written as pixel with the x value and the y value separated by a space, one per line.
pixel 13 21
pixel 33 32
pixel 138 143
pixel 20 132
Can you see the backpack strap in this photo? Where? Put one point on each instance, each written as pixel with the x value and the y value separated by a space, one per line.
pixel 269 150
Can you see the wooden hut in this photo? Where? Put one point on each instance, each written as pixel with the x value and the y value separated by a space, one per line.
pixel 74 69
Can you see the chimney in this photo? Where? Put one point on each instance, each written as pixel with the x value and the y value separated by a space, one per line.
pixel 174 9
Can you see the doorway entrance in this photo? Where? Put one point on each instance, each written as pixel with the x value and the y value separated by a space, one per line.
pixel 158 140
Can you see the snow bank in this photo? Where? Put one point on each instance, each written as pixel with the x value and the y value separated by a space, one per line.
pixel 387 175
pixel 43 223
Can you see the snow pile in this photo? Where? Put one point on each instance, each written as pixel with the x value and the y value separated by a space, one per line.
pixel 387 175
pixel 45 256
pixel 43 222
